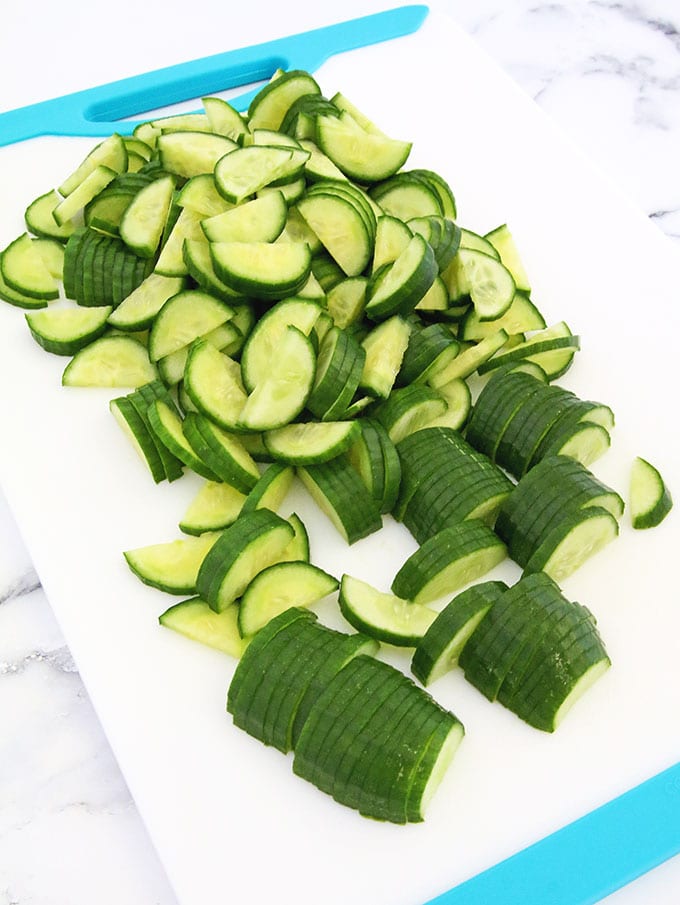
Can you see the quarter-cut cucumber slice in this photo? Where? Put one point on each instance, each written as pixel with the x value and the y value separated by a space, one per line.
pixel 171 567
pixel 196 620
pixel 215 506
pixel 363 156
pixel 252 543
pixel 261 269
pixel 311 442
pixel 278 588
pixel 448 560
pixel 212 381
pixel 25 271
pixel 144 220
pixel 438 651
pixel 110 361
pixel 64 331
pixel 186 316
pixel 382 616
pixel 650 498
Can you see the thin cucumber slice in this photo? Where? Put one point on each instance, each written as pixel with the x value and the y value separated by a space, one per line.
pixel 392 236
pixel 405 283
pixel 187 153
pixel 244 171
pixel 650 498
pixel 223 118
pixel 25 271
pixel 200 195
pixel 577 537
pixel 278 588
pixel 363 156
pixel 263 343
pixel 88 189
pixel 311 442
pixel 136 430
pixel 212 382
pixel 448 560
pixel 252 543
pixel 185 317
pixel 521 317
pixel 18 299
pixel 385 347
pixel 145 218
pixel 346 301
pixel 456 393
pixel 438 651
pixel 341 495
pixel 111 153
pixel 261 269
pixel 110 361
pixel 298 549
pixel 215 507
pixel 271 489
pixel 341 229
pixel 171 567
pixel 194 619
pixel 260 220
pixel 64 331
pixel 138 310
pixel 221 452
pixel 167 426
pixel 280 397
pixel 490 283
pixel 470 360
pixel 268 108
pixel 171 261
pixel 406 196
pixel 409 409
pixel 502 240
pixel 39 218
pixel 382 616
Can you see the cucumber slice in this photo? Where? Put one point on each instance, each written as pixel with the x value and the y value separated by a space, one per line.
pixel 341 229
pixel 470 360
pixel 40 220
pixel 171 567
pixel 215 506
pixel 311 442
pixel 271 489
pixel 448 560
pixel 260 269
pixel 521 317
pixel 502 240
pixel 187 153
pixel 439 649
pixel 405 282
pixel 186 316
pixel 260 220
pixel 244 171
pixel 195 620
pixel 650 499
pixel 409 409
pixel 382 616
pixel 268 108
pixel 64 331
pixel 137 431
pixel 490 283
pixel 252 543
pixel 364 156
pixel 456 393
pixel 278 588
pixel 280 397
pixel 110 361
pixel 138 310
pixel 88 189
pixel 145 218
pixel 223 118
pixel 200 195
pixel 25 271
pixel 110 153
pixel 171 261
pixel 385 347
pixel 406 196
pixel 212 381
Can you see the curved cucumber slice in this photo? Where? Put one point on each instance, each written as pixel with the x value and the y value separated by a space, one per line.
pixel 195 620
pixel 383 616
pixel 650 499
pixel 171 567
pixel 111 361
pixel 64 331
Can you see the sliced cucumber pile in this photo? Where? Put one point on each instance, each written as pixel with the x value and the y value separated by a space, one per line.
pixel 287 302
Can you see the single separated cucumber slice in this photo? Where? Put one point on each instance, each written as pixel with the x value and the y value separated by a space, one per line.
pixel 279 587
pixel 110 361
pixel 385 347
pixel 145 218
pixel 171 567
pixel 215 506
pixel 138 310
pixel 311 442
pixel 187 153
pixel 262 269
pixel 650 499
pixel 25 271
pixel 469 360
pixel 382 616
pixel 212 382
pixel 271 103
pixel 186 316
pixel 490 283
pixel 405 282
pixel 194 619
pixel 261 220
pixel 40 220
pixel 448 560
pixel 255 540
pixel 271 489
pixel 223 118
pixel 244 171
pixel 438 651
pixel 502 240
pixel 341 229
pixel 363 156
pixel 64 331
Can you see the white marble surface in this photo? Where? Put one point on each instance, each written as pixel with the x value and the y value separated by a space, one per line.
pixel 609 74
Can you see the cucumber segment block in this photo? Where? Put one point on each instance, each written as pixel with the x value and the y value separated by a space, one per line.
pixel 171 567
pixel 278 588
pixel 382 616
pixel 438 650
pixel 110 361
pixel 376 460
pixel 135 428
pixel 341 495
pixel 311 442
pixel 448 560
pixel 194 619
pixel 215 506
pixel 64 331
pixel 247 547
pixel 650 498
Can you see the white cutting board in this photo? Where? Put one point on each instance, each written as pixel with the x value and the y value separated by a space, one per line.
pixel 229 819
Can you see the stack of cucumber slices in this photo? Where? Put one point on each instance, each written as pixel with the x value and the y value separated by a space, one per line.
pixel 283 300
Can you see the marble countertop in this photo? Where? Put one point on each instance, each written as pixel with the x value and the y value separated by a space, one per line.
pixel 609 74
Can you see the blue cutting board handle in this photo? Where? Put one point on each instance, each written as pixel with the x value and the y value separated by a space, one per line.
pixel 98 111
pixel 590 858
